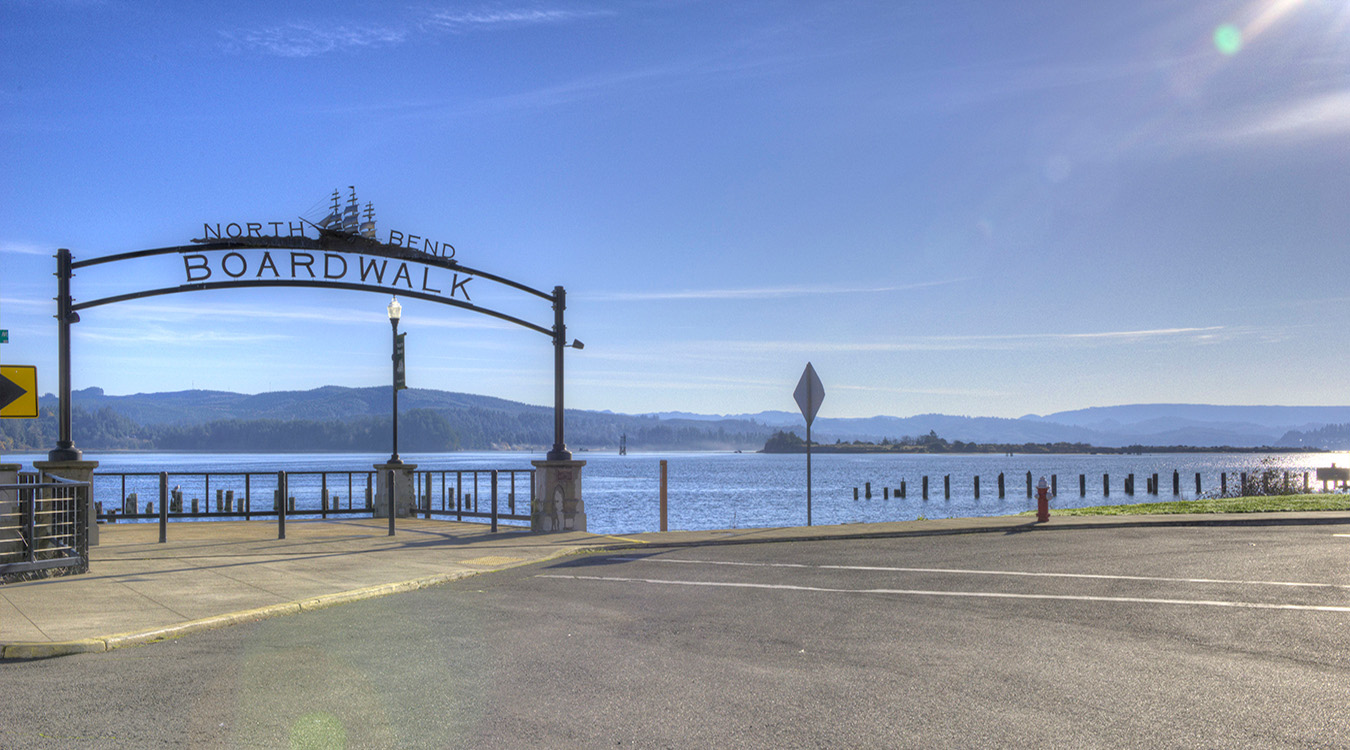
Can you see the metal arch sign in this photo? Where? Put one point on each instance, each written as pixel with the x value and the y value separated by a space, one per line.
pixel 346 253
pixel 236 256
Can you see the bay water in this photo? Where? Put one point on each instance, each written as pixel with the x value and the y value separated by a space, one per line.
pixel 731 490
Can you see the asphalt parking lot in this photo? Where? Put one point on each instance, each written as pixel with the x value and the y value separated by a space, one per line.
pixel 1084 637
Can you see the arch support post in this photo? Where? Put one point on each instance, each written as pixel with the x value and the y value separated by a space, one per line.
pixel 559 452
pixel 557 504
pixel 65 446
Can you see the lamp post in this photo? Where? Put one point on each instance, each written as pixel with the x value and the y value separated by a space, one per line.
pixel 395 312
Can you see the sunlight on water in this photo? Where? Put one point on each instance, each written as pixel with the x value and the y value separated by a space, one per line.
pixel 725 490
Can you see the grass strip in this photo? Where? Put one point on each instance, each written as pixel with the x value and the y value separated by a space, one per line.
pixel 1268 504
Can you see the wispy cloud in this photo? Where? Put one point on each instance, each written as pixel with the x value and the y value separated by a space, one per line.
pixel 25 248
pixel 301 39
pixel 755 292
pixel 308 40
pixel 691 383
pixel 464 21
pixel 151 312
pixel 973 342
pixel 1323 116
pixel 980 393
pixel 164 336
pixel 28 303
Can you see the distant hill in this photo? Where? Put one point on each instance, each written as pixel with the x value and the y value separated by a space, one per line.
pixel 341 418
pixel 356 419
pixel 1163 415
pixel 330 402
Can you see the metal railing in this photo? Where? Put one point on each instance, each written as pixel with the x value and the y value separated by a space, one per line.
pixel 43 527
pixel 460 499
pixel 443 493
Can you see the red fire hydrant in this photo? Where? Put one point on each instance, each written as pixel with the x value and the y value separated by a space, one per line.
pixel 1042 501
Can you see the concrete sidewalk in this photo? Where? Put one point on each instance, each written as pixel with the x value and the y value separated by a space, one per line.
pixel 215 574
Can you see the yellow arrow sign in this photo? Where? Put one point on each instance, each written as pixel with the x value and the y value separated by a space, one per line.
pixel 18 392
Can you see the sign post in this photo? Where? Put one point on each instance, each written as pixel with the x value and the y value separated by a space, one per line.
pixel 810 392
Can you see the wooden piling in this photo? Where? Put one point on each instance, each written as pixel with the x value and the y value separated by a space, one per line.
pixel 1197 484
pixel 946 486
pixel 868 488
pixel 977 486
pixel 1000 486
pixel 663 494
pixel 1176 482
pixel 1106 485
pixel 1028 485
pixel 925 488
pixel 1054 485
pixel 1082 485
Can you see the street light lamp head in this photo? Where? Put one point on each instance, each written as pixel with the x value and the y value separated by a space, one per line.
pixel 576 344
pixel 395 309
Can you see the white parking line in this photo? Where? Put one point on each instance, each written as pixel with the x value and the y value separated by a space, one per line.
pixel 963 594
pixel 964 571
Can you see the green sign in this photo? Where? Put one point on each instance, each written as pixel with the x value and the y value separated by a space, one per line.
pixel 4 335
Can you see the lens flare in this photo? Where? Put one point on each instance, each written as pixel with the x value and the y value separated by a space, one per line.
pixel 1228 39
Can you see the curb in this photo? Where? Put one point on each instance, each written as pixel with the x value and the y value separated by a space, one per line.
pixel 1031 525
pixel 650 543
pixel 101 644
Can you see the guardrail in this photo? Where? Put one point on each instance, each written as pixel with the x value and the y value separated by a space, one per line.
pixel 43 527
pixel 445 493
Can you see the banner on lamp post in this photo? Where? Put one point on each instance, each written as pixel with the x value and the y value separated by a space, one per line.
pixel 400 381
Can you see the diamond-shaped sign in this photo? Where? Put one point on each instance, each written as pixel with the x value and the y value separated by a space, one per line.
pixel 810 392
pixel 18 392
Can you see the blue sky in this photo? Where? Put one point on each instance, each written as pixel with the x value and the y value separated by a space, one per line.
pixel 964 207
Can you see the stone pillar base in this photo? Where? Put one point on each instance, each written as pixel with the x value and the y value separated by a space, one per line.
pixel 557 504
pixel 403 490
pixel 76 471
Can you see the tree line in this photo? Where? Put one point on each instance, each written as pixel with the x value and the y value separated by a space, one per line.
pixel 790 442
pixel 420 431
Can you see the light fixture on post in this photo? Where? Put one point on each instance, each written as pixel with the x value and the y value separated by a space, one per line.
pixel 396 312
